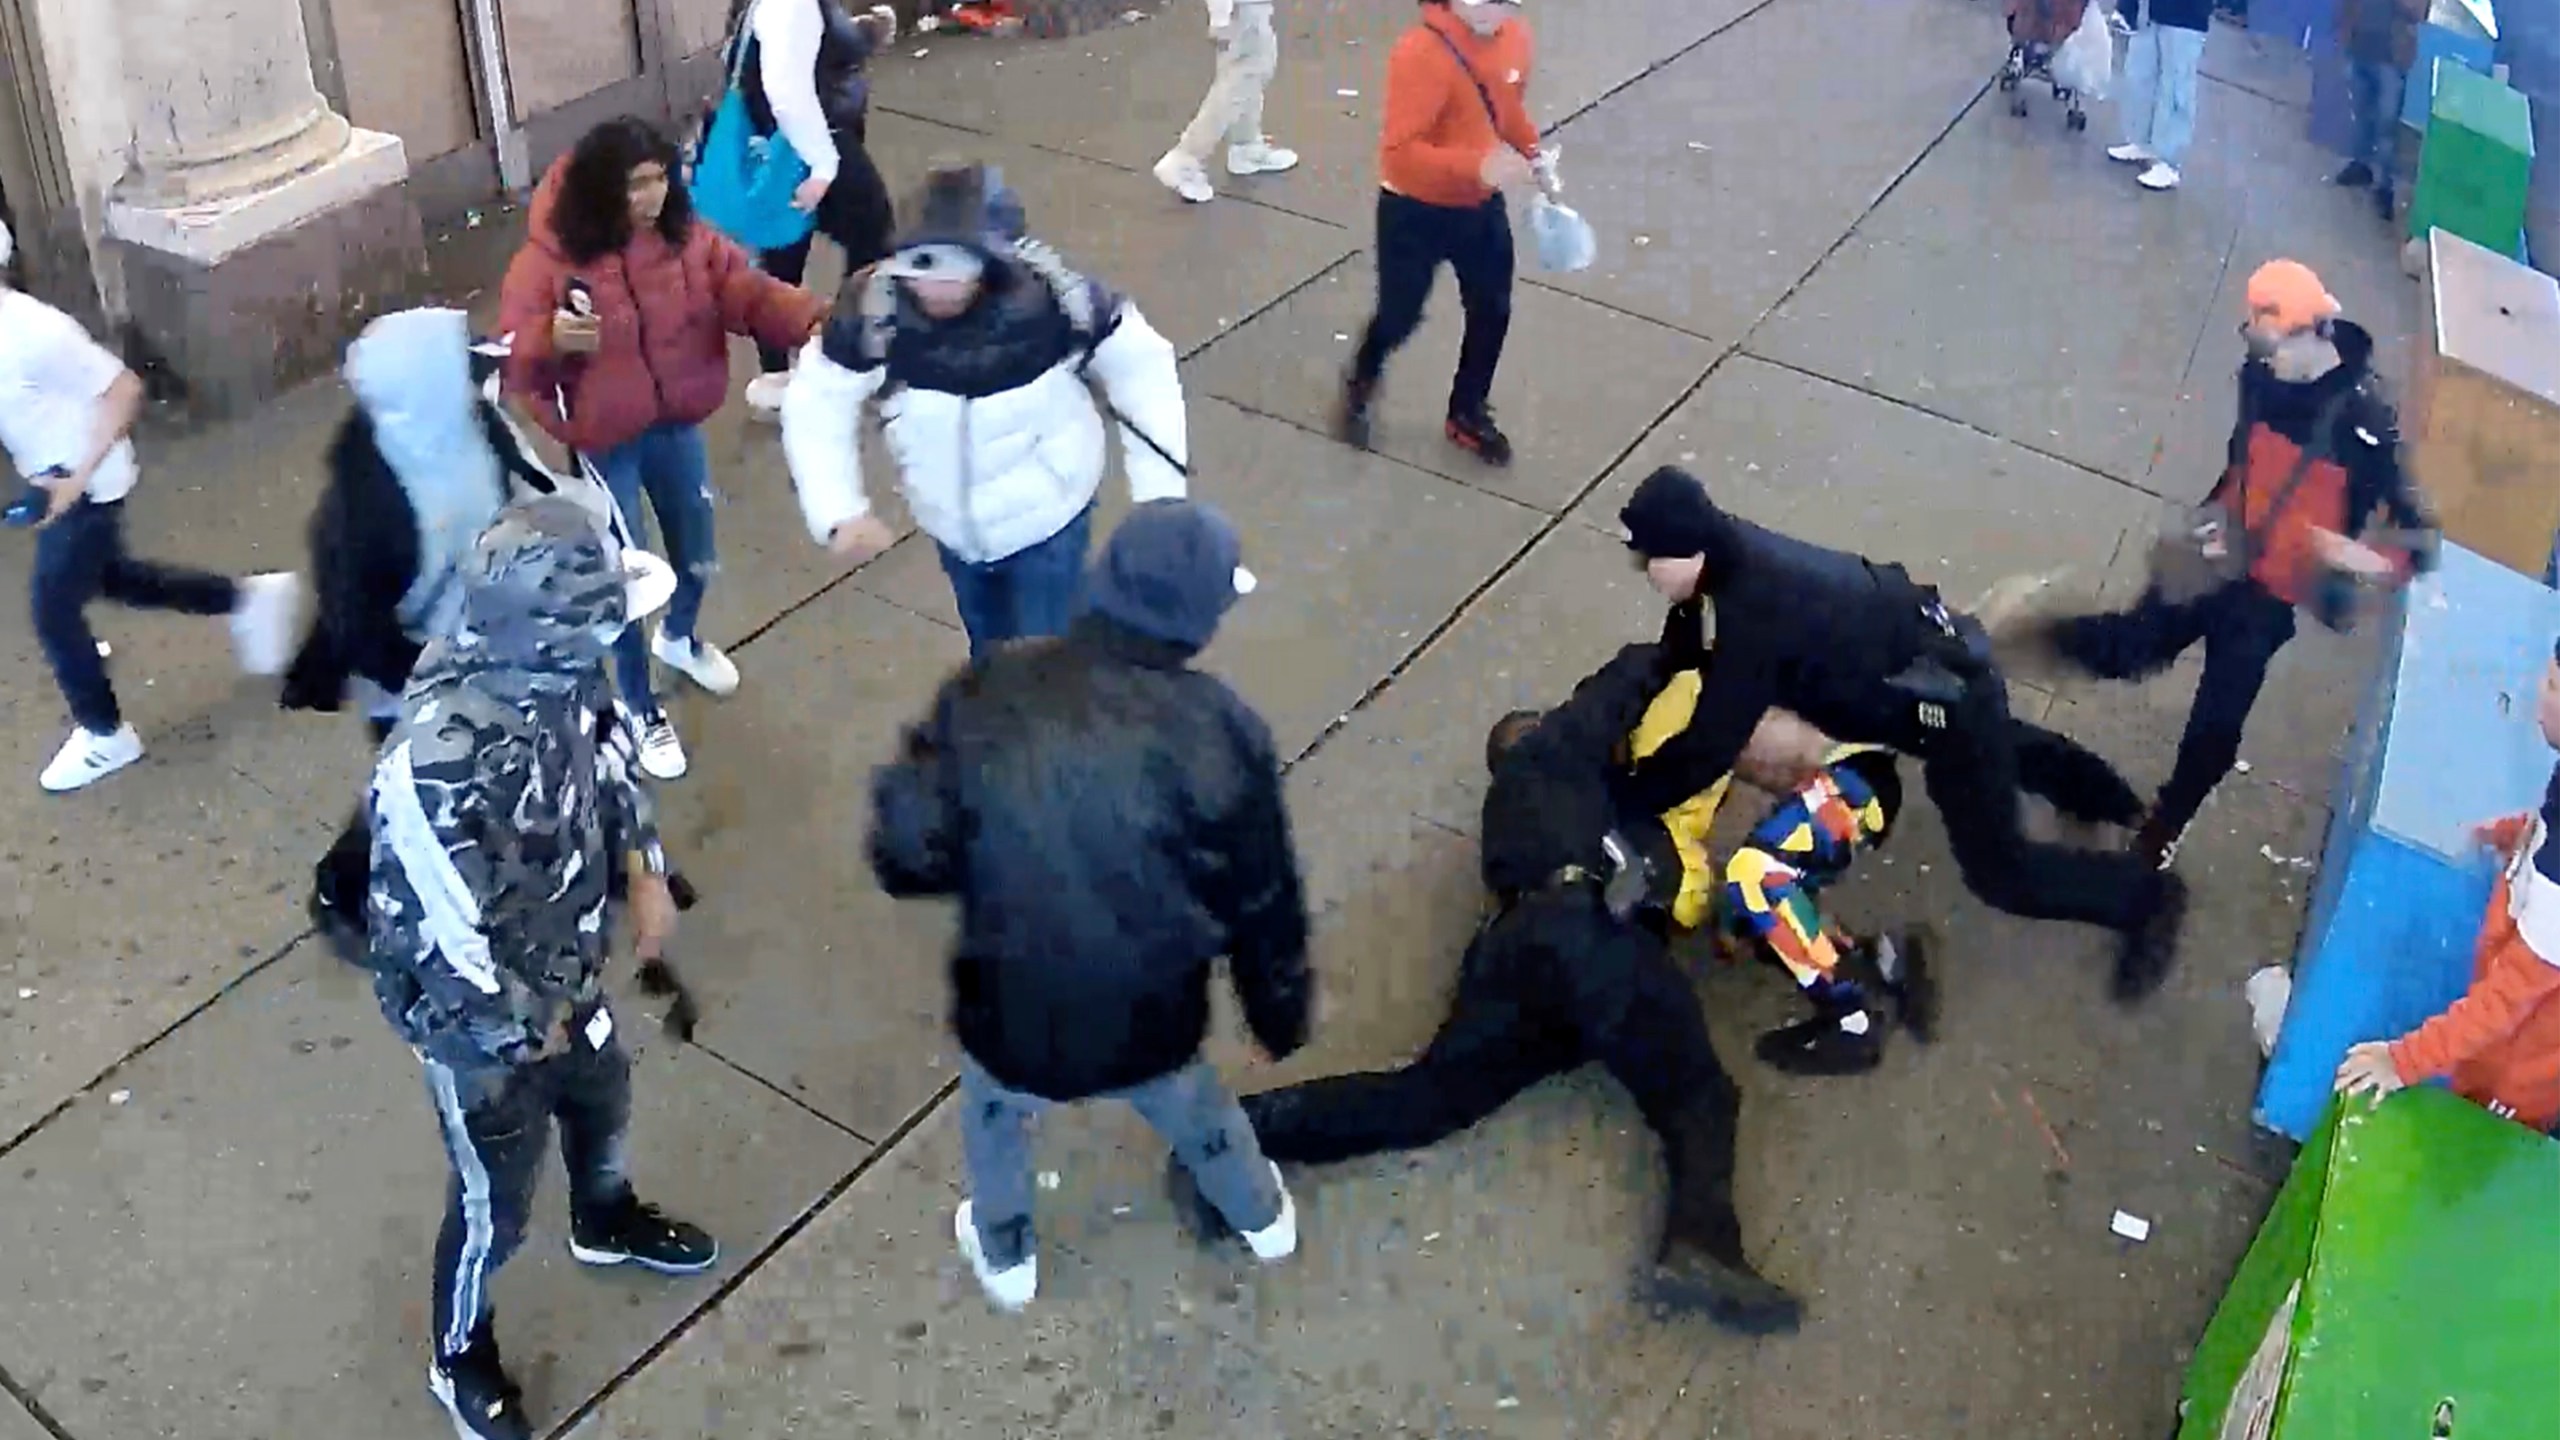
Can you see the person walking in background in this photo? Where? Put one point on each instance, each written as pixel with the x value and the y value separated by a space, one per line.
pixel 67 411
pixel 2380 38
pixel 1457 132
pixel 805 78
pixel 2314 454
pixel 1248 56
pixel 1111 822
pixel 2160 70
pixel 988 341
pixel 621 306
pixel 501 808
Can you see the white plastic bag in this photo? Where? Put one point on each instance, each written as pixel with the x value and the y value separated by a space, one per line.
pixel 1564 238
pixel 2086 63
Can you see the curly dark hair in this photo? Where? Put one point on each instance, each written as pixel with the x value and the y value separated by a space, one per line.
pixel 592 216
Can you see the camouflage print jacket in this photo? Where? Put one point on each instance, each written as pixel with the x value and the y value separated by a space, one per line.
pixel 504 800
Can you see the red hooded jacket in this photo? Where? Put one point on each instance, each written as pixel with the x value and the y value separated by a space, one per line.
pixel 667 314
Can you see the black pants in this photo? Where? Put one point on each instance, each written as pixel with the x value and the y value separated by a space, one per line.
pixel 1977 768
pixel 1414 240
pixel 497 1129
pixel 856 214
pixel 2242 627
pixel 1548 986
pixel 341 877
pixel 81 557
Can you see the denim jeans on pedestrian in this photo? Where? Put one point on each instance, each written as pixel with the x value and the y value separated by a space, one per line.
pixel 671 467
pixel 1192 1110
pixel 80 558
pixel 1027 593
pixel 2373 91
pixel 2159 105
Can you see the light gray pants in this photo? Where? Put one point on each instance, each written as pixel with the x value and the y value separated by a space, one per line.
pixel 1232 110
pixel 1191 1108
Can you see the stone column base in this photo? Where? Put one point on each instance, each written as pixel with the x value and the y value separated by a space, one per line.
pixel 236 300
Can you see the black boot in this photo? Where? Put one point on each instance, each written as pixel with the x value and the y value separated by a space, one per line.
pixel 1474 432
pixel 483 1400
pixel 1819 1046
pixel 1700 1269
pixel 1901 964
pixel 2149 950
pixel 2356 176
pixel 2156 840
pixel 2386 202
pixel 1352 422
pixel 338 885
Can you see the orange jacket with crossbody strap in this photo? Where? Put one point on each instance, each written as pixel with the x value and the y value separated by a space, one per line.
pixel 2499 1045
pixel 1436 134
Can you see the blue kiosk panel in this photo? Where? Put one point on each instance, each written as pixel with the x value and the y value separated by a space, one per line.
pixel 2446 739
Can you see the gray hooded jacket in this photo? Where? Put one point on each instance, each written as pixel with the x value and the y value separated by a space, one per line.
pixel 502 801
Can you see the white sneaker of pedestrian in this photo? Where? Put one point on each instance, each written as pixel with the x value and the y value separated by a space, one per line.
pixel 1260 158
pixel 263 621
pixel 1007 1290
pixel 661 753
pixel 2130 154
pixel 2161 176
pixel 1278 1240
pixel 765 392
pixel 698 660
pixel 1185 177
pixel 88 757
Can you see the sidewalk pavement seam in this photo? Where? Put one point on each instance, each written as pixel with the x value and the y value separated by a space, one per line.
pixel 10 1387
pixel 737 1278
pixel 1960 422
pixel 220 993
pixel 794 1100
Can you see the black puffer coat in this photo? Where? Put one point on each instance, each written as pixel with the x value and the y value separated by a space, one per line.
pixel 1110 821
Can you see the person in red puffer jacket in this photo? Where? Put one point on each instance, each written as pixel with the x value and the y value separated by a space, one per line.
pixel 622 307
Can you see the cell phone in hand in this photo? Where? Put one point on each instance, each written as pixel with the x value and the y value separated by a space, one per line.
pixel 30 508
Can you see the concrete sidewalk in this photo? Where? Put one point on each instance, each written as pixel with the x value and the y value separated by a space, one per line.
pixel 1861 299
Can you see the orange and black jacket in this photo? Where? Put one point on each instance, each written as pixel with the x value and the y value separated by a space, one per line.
pixel 2358 474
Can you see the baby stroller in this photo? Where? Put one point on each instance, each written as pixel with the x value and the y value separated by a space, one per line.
pixel 2036 29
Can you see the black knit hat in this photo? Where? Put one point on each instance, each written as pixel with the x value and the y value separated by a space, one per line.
pixel 1669 516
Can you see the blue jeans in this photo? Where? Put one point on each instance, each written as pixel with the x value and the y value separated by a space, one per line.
pixel 2159 105
pixel 81 557
pixel 670 465
pixel 1027 593
pixel 2373 88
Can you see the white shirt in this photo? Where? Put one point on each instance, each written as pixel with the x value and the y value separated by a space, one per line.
pixel 789 32
pixel 52 376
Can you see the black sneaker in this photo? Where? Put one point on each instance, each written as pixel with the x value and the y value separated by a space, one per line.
pixel 2149 950
pixel 2356 176
pixel 1351 417
pixel 343 933
pixel 1476 434
pixel 476 1391
pixel 2386 202
pixel 634 1233
pixel 1729 1292
pixel 1820 1047
pixel 1904 961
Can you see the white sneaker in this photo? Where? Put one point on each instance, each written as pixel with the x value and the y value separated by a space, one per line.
pixel 2130 154
pixel 2161 176
pixel 1007 1290
pixel 661 753
pixel 1278 1240
pixel 88 757
pixel 1260 158
pixel 765 392
pixel 263 621
pixel 1185 177
pixel 698 660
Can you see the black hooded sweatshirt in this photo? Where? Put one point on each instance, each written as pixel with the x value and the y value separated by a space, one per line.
pixel 1797 627
pixel 1111 822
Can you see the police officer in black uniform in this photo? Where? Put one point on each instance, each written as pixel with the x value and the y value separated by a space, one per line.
pixel 1868 655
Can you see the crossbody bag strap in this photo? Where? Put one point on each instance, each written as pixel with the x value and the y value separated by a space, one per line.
pixel 738 43
pixel 1483 94
pixel 2315 449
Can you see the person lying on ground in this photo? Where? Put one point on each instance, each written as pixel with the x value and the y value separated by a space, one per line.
pixel 1869 655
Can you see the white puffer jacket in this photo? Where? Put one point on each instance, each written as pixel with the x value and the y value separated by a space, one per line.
pixel 999 449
